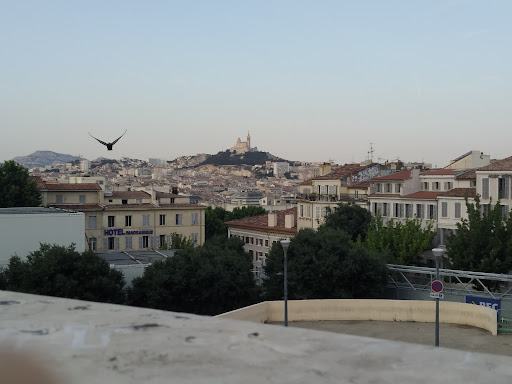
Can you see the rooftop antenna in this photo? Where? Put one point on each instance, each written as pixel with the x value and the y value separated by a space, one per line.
pixel 370 153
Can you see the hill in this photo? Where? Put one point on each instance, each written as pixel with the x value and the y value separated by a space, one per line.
pixel 45 158
pixel 248 158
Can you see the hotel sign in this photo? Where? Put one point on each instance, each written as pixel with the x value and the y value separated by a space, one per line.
pixel 122 232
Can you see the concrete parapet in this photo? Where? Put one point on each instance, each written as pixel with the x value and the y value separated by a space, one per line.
pixel 379 310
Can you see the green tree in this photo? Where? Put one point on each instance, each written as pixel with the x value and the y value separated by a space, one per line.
pixel 214 222
pixel 54 270
pixel 350 218
pixel 178 242
pixel 216 217
pixel 16 187
pixel 207 280
pixel 402 242
pixel 325 264
pixel 482 242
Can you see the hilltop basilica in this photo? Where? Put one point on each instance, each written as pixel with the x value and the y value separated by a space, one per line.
pixel 243 146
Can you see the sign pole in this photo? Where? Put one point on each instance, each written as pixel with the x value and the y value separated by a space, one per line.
pixel 437 306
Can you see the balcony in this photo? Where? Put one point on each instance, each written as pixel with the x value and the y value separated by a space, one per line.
pixel 329 198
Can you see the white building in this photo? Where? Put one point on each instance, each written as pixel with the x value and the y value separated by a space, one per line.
pixel 23 229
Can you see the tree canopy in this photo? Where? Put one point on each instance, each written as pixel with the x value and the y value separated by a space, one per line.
pixel 215 218
pixel 482 242
pixel 402 242
pixel 325 264
pixel 16 187
pixel 54 270
pixel 351 218
pixel 206 280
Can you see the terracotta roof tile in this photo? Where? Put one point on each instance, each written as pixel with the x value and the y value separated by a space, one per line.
pixel 422 195
pixel 467 175
pixel 500 165
pixel 403 175
pixel 459 192
pixel 72 187
pixel 129 195
pixel 261 221
pixel 164 195
pixel 341 172
pixel 38 180
pixel 360 184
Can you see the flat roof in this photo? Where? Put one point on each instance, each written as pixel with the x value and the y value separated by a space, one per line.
pixel 135 257
pixel 31 211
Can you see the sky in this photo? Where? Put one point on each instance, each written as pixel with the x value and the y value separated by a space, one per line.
pixel 312 80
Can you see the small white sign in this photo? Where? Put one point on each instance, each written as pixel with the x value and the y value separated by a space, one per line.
pixel 437 295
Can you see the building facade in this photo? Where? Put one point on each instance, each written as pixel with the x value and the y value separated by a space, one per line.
pixel 128 220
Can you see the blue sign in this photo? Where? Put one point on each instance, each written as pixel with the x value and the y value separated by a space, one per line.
pixel 484 301
pixel 113 232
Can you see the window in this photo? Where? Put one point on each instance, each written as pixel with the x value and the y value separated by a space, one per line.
pixel 301 210
pixel 486 208
pixel 179 219
pixel 194 237
pixel 124 202
pixel 317 213
pixel 385 209
pixel 503 188
pixel 195 218
pixel 424 186
pixel 82 199
pixel 266 243
pixel 457 210
pixel 448 185
pixel 485 188
pixel 92 222
pixel 145 220
pixel 388 188
pixel 162 219
pixel 308 211
pixel 444 209
pixel 138 201
pixel 419 211
pixel 398 188
pixel 323 189
pixel 144 243
pixel 436 186
pixel 111 243
pixel 127 221
pixel 162 241
pixel 111 221
pixel 129 242
pixel 92 244
pixel 431 212
pixel 247 240
pixel 379 187
pixel 58 199
pixel 408 210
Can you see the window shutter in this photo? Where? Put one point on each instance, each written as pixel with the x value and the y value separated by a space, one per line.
pixel 105 244
pixel 152 245
pixel 140 242
pixel 157 241
pixel 118 241
pixel 169 241
pixel 485 188
pixel 435 213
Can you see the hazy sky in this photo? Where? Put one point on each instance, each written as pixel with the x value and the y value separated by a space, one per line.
pixel 312 80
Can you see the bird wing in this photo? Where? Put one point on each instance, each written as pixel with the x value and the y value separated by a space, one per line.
pixel 116 140
pixel 102 142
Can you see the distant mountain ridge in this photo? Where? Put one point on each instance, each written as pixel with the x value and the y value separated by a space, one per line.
pixel 45 158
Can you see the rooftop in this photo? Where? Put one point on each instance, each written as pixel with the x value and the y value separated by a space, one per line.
pixel 84 342
pixel 32 211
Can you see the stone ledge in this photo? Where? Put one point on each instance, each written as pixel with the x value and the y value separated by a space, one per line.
pixel 85 342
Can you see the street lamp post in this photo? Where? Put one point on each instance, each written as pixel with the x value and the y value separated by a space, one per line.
pixel 438 254
pixel 285 244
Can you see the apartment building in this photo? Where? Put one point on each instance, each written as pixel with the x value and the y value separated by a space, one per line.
pixel 322 194
pixel 260 232
pixel 128 220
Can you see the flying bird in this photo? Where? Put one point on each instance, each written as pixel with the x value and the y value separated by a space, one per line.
pixel 109 145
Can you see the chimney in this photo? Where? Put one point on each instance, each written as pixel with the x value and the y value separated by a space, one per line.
pixel 272 219
pixel 289 221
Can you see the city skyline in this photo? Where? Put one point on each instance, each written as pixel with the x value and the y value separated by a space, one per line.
pixel 312 81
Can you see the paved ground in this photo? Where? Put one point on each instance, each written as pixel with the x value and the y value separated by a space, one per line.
pixel 450 335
